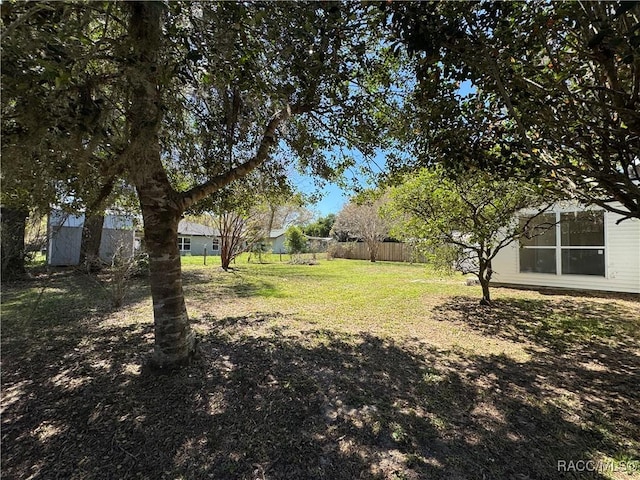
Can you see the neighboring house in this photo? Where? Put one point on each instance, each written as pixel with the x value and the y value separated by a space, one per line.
pixel 318 244
pixel 194 238
pixel 276 239
pixel 65 237
pixel 585 249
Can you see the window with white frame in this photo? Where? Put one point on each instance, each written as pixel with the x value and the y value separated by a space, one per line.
pixel 184 244
pixel 215 246
pixel 538 252
pixel 582 243
pixel 573 245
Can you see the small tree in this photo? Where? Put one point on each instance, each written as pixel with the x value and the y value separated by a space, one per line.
pixel 295 241
pixel 239 231
pixel 238 217
pixel 364 222
pixel 124 265
pixel 281 212
pixel 463 223
pixel 258 248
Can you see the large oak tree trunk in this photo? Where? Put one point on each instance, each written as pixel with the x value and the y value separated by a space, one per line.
pixel 14 222
pixel 161 205
pixel 174 339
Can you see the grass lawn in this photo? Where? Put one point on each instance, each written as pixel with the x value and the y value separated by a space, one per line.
pixel 340 370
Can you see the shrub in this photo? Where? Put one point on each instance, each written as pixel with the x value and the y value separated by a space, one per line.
pixel 124 265
pixel 295 241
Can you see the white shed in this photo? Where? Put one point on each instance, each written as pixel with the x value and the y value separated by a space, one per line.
pixel 276 239
pixel 65 237
pixel 585 249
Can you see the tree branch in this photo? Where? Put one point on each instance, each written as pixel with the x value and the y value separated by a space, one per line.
pixel 269 139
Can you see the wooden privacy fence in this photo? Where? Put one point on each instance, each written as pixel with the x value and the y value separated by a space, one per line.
pixel 387 252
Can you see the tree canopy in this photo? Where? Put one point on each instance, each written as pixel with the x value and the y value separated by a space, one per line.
pixel 561 78
pixel 321 227
pixel 181 99
pixel 295 241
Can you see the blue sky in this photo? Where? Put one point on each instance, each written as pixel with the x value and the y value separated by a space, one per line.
pixel 333 196
pixel 333 199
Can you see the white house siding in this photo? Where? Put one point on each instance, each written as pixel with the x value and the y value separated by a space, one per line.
pixel 200 237
pixel 198 244
pixel 622 261
pixel 115 241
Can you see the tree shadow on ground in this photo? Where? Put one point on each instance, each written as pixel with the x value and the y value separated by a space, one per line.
pixel 558 324
pixel 199 283
pixel 61 301
pixel 585 358
pixel 281 405
pixel 250 321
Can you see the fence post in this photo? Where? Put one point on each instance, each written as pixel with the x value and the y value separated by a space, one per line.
pixel 205 255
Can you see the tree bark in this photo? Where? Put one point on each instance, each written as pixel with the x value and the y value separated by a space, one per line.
pixel 229 237
pixel 14 222
pixel 92 228
pixel 272 217
pixel 174 339
pixel 91 239
pixel 372 246
pixel 161 205
pixel 485 273
pixel 486 296
pixel 226 250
